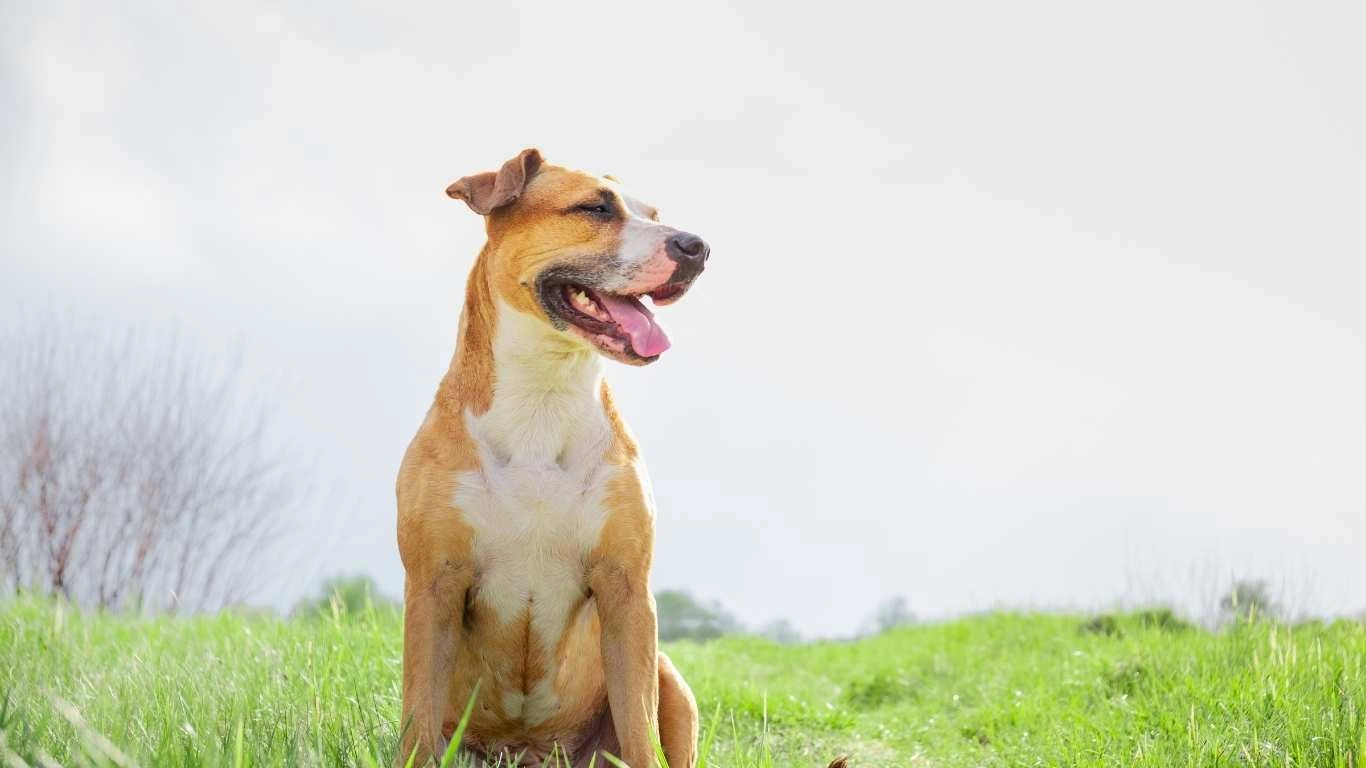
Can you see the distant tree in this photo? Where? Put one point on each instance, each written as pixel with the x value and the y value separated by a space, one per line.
pixel 1248 600
pixel 781 631
pixel 891 613
pixel 683 616
pixel 343 596
pixel 132 473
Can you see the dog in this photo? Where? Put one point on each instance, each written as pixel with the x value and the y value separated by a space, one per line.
pixel 525 517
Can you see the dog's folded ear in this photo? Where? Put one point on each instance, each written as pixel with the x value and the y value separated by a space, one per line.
pixel 486 192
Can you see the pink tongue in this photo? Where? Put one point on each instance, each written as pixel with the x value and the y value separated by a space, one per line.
pixel 647 338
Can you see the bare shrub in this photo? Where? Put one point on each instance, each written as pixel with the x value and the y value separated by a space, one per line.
pixel 1248 600
pixel 133 474
pixel 891 613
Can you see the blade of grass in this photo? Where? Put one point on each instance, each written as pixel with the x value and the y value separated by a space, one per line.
pixel 454 746
pixel 704 754
pixel 238 756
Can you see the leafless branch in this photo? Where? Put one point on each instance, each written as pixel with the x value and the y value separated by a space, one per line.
pixel 133 473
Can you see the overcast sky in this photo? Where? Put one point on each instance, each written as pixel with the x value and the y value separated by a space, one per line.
pixel 1032 304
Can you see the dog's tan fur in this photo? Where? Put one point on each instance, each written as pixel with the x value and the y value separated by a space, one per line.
pixel 539 689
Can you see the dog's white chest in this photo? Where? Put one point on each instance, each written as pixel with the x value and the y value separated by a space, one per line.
pixel 536 503
pixel 534 527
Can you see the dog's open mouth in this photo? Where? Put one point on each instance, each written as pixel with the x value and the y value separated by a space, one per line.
pixel 619 324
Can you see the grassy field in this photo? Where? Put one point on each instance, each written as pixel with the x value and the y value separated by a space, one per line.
pixel 994 690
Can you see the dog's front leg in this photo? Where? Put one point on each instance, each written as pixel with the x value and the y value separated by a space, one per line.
pixel 619 575
pixel 433 609
pixel 630 657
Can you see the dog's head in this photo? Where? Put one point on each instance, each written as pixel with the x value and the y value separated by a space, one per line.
pixel 570 248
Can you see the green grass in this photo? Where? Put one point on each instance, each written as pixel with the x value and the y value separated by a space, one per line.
pixel 993 690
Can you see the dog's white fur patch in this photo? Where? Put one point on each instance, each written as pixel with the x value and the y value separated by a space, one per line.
pixel 642 240
pixel 536 503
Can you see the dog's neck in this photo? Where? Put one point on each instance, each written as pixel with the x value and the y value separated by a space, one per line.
pixel 526 392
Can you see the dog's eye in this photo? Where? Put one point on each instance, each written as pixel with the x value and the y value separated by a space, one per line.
pixel 601 210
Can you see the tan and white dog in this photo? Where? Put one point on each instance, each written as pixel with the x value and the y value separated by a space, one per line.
pixel 525 519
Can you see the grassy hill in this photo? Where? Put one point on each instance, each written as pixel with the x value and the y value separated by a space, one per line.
pixel 993 690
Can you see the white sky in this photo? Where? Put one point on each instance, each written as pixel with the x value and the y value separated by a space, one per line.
pixel 1031 304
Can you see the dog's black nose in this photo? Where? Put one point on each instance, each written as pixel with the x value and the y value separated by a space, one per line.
pixel 690 252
